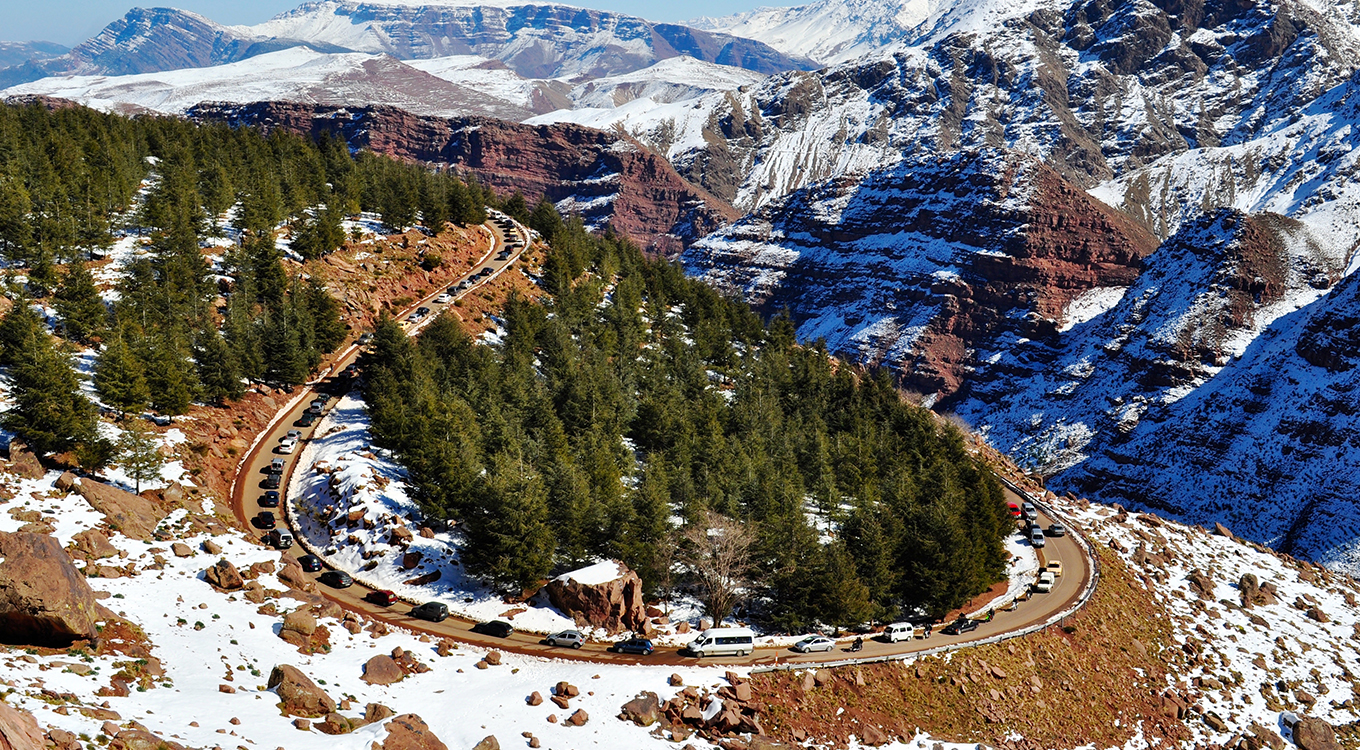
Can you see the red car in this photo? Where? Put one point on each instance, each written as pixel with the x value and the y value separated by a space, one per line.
pixel 1015 510
pixel 381 598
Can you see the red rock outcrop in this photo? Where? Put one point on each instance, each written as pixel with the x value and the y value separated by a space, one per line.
pixel 298 695
pixel 133 515
pixel 44 600
pixel 611 179
pixel 614 604
pixel 410 732
pixel 19 730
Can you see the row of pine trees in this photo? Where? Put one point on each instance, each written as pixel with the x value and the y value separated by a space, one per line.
pixel 73 180
pixel 633 403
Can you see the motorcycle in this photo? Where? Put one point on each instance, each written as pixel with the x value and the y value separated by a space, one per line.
pixel 857 645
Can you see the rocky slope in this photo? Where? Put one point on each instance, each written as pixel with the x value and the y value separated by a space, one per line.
pixel 609 179
pixel 18 53
pixel 535 40
pixel 829 31
pixel 919 266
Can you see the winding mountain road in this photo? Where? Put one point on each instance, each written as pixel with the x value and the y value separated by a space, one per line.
pixel 246 490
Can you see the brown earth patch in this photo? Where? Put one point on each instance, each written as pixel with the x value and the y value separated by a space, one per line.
pixel 1077 683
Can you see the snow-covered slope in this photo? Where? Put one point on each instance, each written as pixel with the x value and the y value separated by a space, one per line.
pixel 828 31
pixel 494 78
pixel 671 80
pixel 297 75
pixel 536 40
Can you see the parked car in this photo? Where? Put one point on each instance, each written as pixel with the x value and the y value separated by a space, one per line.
pixel 1054 567
pixel 960 626
pixel 640 646
pixel 269 499
pixel 423 311
pixel 1056 529
pixel 294 435
pixel 1036 538
pixel 265 520
pixel 432 611
pixel 276 466
pixel 497 628
pixel 486 271
pixel 278 539
pixel 338 579
pixel 1045 583
pixel 306 420
pixel 382 598
pixel 310 563
pixel 814 643
pixel 162 420
pixel 443 299
pixel 287 446
pixel 453 289
pixel 1014 509
pixel 271 482
pixel 568 638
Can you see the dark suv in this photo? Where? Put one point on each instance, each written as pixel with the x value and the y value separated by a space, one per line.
pixel 640 646
pixel 270 499
pixel 497 628
pixel 432 611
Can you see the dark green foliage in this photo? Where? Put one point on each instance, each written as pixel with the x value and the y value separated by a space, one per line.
pixel 219 375
pixel 82 311
pixel 319 234
pixel 119 378
pixel 19 329
pixel 50 413
pixel 528 444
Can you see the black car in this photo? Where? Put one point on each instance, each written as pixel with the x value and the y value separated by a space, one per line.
pixel 265 520
pixel 497 628
pixel 270 482
pixel 306 420
pixel 432 611
pixel 422 311
pixel 310 563
pixel 960 626
pixel 633 646
pixel 269 499
pixel 1056 529
pixel 337 579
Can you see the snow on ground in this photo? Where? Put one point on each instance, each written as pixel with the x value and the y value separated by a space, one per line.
pixel 205 639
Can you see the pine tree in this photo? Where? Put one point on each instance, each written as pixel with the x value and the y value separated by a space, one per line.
pixel 169 376
pixel 139 453
pixel 118 377
pixel 50 412
pixel 16 234
pixel 218 374
pixel 510 538
pixel 328 332
pixel 82 310
pixel 19 329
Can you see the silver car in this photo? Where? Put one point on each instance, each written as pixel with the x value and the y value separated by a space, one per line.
pixel 571 638
pixel 814 643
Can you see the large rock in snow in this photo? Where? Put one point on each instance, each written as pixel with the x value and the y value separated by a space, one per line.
pixel 19 730
pixel 298 695
pixel 44 600
pixel 133 515
pixel 409 732
pixel 605 595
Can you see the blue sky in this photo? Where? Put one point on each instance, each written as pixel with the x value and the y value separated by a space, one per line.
pixel 70 22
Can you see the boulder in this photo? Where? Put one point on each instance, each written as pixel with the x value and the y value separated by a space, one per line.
pixel 376 712
pixel 91 544
pixel 292 575
pixel 180 549
pixel 409 732
pixel 140 739
pixel 534 699
pixel 44 599
pixel 66 481
pixel 23 462
pixel 873 736
pixel 133 515
pixel 1202 584
pixel 334 723
pixel 644 710
pixel 19 730
pixel 383 670
pixel 1312 733
pixel 606 595
pixel 1261 738
pixel 581 717
pixel 488 742
pixel 300 621
pixel 298 695
pixel 224 576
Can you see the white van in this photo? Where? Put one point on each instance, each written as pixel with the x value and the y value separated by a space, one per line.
pixel 899 631
pixel 723 642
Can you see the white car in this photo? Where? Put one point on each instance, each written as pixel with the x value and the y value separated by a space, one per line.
pixel 814 643
pixel 294 435
pixel 443 299
pixel 287 446
pixel 1045 583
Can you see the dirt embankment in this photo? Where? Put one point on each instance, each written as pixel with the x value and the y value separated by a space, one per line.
pixel 1092 680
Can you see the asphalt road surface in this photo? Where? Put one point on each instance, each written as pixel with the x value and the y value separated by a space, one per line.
pixel 248 488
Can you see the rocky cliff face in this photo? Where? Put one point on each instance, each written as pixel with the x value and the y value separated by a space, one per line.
pixel 920 266
pixel 609 179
